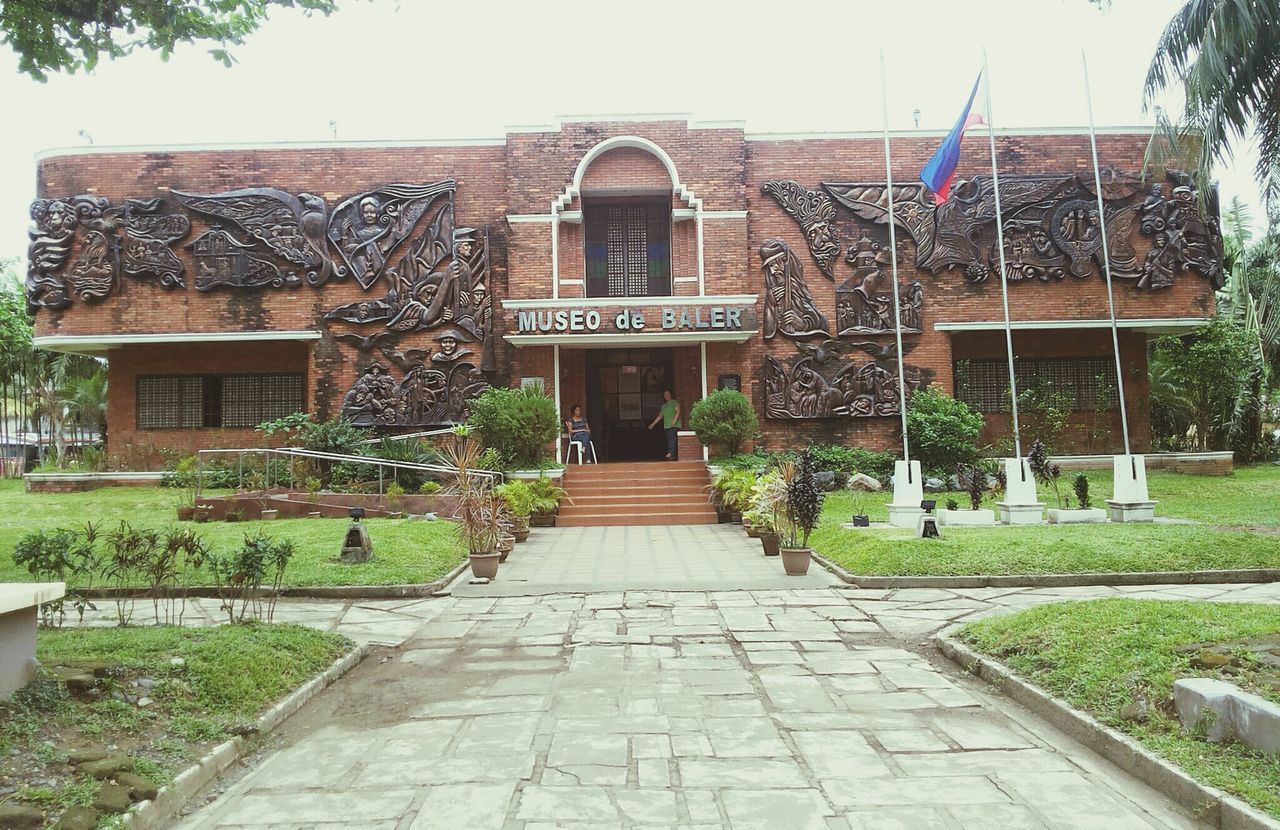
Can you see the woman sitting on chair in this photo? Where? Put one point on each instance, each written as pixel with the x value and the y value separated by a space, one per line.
pixel 580 433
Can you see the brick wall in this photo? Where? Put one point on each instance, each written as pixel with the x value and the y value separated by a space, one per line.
pixel 522 178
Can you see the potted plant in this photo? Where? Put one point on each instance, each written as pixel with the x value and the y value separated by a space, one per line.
pixel 768 505
pixel 519 499
pixel 546 502
pixel 394 495
pixel 860 517
pixel 803 507
pixel 202 513
pixel 1085 513
pixel 475 505
pixel 269 514
pixel 235 515
pixel 186 506
pixel 976 480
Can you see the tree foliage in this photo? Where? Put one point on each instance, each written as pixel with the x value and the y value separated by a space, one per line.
pixel 518 424
pixel 942 432
pixel 724 421
pixel 70 35
pixel 1210 367
pixel 1225 55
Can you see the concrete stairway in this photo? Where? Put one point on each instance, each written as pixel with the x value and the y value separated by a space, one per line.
pixel 637 493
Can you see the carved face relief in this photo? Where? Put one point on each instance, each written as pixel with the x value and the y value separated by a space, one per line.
pixel 369 211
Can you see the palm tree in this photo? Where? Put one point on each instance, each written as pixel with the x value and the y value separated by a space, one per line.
pixel 86 396
pixel 1226 53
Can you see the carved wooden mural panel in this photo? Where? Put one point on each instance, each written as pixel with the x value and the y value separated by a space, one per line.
pixel 437 282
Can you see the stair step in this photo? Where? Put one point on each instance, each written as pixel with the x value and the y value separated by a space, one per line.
pixel 622 519
pixel 641 498
pixel 682 477
pixel 657 507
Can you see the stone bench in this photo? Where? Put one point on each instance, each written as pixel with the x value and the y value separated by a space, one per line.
pixel 19 612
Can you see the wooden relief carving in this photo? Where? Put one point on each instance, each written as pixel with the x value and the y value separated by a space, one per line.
pixel 788 306
pixel 864 302
pixel 292 227
pixel 815 213
pixel 101 252
pixel 812 388
pixel 367 227
pixel 222 261
pixel 1051 227
pixel 434 390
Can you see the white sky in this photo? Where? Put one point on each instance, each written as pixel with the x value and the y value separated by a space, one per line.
pixel 412 69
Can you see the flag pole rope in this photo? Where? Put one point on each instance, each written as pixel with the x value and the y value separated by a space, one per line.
pixel 893 258
pixel 1004 283
pixel 1106 254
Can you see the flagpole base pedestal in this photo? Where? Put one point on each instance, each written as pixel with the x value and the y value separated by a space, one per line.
pixel 905 515
pixel 1020 514
pixel 908 492
pixel 1131 511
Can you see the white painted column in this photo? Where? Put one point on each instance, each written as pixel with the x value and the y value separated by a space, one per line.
pixel 702 277
pixel 702 348
pixel 555 274
pixel 555 370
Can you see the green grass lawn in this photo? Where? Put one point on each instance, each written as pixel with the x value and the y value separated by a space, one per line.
pixel 226 677
pixel 403 551
pixel 1228 506
pixel 1097 655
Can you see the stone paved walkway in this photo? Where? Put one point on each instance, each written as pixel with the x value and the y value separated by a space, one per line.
pixel 676 558
pixel 810 708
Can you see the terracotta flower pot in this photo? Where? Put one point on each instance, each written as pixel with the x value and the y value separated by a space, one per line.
pixel 202 514
pixel 772 543
pixel 752 531
pixel 269 515
pixel 795 561
pixel 484 565
pixel 186 513
pixel 506 544
pixel 521 528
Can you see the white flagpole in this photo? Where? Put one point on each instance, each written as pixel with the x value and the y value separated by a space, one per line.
pixel 1106 254
pixel 893 258
pixel 1004 285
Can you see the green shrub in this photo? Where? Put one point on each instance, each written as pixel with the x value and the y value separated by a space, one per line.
pixel 734 489
pixel 942 432
pixel 724 421
pixel 518 496
pixel 844 460
pixel 520 425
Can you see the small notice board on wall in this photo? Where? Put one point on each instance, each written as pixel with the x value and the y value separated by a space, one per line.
pixel 733 382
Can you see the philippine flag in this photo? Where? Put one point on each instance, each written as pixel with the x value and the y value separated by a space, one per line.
pixel 941 169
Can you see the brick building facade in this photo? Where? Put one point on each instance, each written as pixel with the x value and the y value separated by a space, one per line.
pixel 240 283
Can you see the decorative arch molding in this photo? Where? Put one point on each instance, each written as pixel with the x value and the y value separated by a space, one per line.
pixel 574 189
pixel 635 142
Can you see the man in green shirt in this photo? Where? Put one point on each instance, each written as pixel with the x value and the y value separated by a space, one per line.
pixel 669 414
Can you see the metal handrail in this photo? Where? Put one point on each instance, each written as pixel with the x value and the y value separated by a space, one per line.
pixel 428 434
pixel 294 452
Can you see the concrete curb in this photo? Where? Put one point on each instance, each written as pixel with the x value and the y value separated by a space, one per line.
pixel 409 591
pixel 147 815
pixel 1242 575
pixel 1208 804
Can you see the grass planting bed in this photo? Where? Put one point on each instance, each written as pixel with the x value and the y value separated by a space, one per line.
pixel 1105 657
pixel 1238 516
pixel 404 551
pixel 132 707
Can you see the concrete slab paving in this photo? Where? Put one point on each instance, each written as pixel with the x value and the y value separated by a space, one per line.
pixel 519 713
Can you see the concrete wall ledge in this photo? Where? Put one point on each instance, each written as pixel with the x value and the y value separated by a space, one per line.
pixel 1202 463
pixel 77 482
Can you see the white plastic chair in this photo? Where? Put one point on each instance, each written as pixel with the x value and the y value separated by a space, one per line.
pixel 577 445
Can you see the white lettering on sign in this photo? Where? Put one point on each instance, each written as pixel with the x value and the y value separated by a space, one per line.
pixel 671 318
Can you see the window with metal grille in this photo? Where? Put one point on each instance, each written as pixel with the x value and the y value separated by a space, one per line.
pixel 1089 383
pixel 628 248
pixel 195 401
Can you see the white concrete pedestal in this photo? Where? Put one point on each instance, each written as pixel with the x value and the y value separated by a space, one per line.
pixel 1021 505
pixel 19 614
pixel 908 492
pixel 1129 501
pixel 983 517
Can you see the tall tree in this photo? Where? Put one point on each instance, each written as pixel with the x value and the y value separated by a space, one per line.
pixel 69 35
pixel 1225 55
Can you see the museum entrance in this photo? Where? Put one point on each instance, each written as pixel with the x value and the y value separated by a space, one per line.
pixel 624 394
